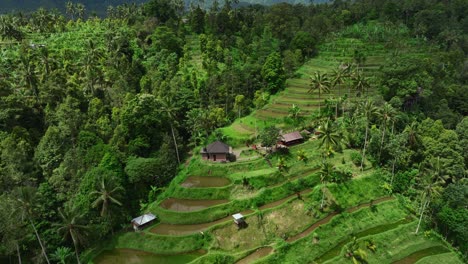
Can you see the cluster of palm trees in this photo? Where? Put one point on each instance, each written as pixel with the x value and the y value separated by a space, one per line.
pixel 345 75
pixel 75 10
pixel 10 28
pixel 72 223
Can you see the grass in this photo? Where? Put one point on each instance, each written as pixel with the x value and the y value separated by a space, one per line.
pixel 160 244
pixel 357 191
pixel 448 258
pixel 342 225
pixel 396 244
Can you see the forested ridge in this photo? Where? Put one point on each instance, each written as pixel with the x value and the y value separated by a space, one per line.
pixel 98 115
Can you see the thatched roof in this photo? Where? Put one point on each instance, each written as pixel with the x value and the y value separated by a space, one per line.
pixel 291 136
pixel 216 147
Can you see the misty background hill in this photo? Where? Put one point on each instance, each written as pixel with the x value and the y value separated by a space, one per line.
pixel 100 6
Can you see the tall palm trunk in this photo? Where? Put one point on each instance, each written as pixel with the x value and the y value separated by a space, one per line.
pixel 364 149
pixel 76 252
pixel 382 141
pixel 19 254
pixel 40 242
pixel 420 217
pixel 175 144
pixel 393 170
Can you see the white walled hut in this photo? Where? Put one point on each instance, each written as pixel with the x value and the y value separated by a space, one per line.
pixel 140 222
pixel 239 220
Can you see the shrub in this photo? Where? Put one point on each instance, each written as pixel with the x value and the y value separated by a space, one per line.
pixel 356 158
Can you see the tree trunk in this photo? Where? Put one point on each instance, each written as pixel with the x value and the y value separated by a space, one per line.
pixel 381 142
pixel 393 170
pixel 420 217
pixel 76 253
pixel 175 144
pixel 323 199
pixel 40 242
pixel 19 254
pixel 364 149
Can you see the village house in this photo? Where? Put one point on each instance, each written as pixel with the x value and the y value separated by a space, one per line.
pixel 290 139
pixel 216 151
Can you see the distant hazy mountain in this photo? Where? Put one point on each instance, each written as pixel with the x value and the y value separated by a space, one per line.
pixel 100 6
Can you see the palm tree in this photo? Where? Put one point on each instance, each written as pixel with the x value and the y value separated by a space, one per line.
pixel 431 181
pixel 70 9
pixel 106 195
pixel 356 253
pixel 329 137
pixel 326 172
pixel 70 228
pixel 368 110
pixel 338 77
pixel 360 83
pixel 320 83
pixel 301 155
pixel 25 197
pixel 61 254
pixel 169 108
pixel 387 115
pixel 282 166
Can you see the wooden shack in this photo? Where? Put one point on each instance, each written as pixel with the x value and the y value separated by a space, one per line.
pixel 292 138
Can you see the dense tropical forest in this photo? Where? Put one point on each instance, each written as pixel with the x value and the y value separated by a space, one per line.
pixel 101 118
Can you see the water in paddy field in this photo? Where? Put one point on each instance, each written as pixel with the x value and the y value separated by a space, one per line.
pixel 259 253
pixel 132 256
pixel 186 205
pixel 413 258
pixel 205 181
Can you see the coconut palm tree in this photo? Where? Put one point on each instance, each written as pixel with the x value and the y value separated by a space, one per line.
pixel 107 193
pixel 326 171
pixel 302 156
pixel 25 197
pixel 360 83
pixel 71 228
pixel 431 180
pixel 320 83
pixel 169 109
pixel 329 137
pixel 387 115
pixel 367 110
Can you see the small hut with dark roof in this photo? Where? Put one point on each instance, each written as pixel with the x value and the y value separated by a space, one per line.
pixel 292 138
pixel 216 151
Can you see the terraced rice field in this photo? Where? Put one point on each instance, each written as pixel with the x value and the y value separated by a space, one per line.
pixel 285 223
pixel 331 55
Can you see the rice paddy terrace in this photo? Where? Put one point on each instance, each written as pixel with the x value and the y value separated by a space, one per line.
pixel 282 211
pixel 339 49
pixel 285 223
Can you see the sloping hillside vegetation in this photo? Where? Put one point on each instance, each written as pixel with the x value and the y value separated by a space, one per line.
pixel 105 119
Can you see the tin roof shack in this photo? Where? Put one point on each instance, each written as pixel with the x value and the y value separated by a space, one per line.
pixel 140 222
pixel 292 138
pixel 239 220
pixel 217 151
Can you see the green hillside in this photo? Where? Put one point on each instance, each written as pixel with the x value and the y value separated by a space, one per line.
pixel 326 133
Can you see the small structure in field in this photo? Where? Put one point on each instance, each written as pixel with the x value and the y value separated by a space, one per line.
pixel 292 138
pixel 239 220
pixel 217 151
pixel 140 222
